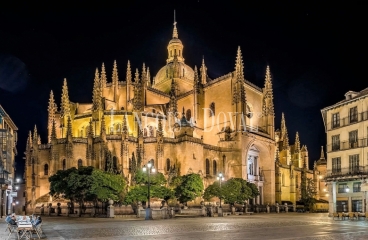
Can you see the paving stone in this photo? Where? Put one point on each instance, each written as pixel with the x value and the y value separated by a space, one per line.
pixel 258 226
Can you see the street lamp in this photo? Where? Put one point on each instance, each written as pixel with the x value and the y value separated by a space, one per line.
pixel 221 178
pixel 149 169
pixel 347 189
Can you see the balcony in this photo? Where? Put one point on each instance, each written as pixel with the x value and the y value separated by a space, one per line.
pixel 342 122
pixel 345 145
pixel 346 173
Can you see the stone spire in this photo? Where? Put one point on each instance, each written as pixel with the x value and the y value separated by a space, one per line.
pixel 52 110
pixel 268 108
pixel 285 143
pixel 239 67
pixel 115 77
pixel 103 80
pixel 283 127
pixel 138 93
pixel 196 80
pixel 297 143
pixel 128 77
pixel 322 153
pixel 175 30
pixel 35 135
pixel 29 140
pixel 239 89
pixel 65 103
pixel 96 93
pixel 148 78
pixel 144 75
pixel 203 72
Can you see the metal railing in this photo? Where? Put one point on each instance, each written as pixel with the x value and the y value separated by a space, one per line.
pixel 345 172
pixel 344 145
pixel 342 122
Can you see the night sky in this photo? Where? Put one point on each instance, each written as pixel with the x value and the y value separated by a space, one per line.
pixel 315 52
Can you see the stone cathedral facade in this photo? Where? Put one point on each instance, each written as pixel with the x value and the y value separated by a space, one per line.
pixel 181 120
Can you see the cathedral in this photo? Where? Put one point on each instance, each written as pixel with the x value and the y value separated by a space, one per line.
pixel 180 119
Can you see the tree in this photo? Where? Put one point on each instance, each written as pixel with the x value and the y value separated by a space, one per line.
pixel 212 191
pixel 190 187
pixel 87 184
pixel 234 190
pixel 139 192
pixel 309 194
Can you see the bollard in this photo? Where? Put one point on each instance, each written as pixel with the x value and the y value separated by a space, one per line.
pixel 268 208
pixel 277 208
pixel 294 208
pixel 286 208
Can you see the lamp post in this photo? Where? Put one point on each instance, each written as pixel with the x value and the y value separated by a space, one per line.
pixel 221 178
pixel 149 168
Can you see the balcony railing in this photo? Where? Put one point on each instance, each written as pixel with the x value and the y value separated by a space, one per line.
pixel 346 172
pixel 344 145
pixel 362 116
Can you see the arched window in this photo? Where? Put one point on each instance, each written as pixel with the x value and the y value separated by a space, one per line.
pixel 130 165
pixel 170 53
pixel 118 128
pixel 183 72
pixel 207 166
pixel 46 169
pixel 115 162
pixel 179 56
pixel 151 132
pixel 64 164
pixel 152 162
pixel 175 52
pixel 214 167
pixel 223 163
pixel 188 114
pixel 212 109
pixel 80 163
pixel 145 132
pixel 167 164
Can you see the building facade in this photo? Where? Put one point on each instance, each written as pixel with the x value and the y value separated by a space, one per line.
pixel 8 141
pixel 346 125
pixel 294 179
pixel 181 120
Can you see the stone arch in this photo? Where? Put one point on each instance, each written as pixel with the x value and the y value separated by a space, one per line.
pixel 264 168
pixel 114 162
pixel 188 114
pixel 46 169
pixel 168 164
pixel 214 167
pixel 80 163
pixel 63 164
pixel 212 109
pixel 207 166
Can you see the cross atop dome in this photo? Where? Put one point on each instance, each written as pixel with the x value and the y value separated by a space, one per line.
pixel 175 31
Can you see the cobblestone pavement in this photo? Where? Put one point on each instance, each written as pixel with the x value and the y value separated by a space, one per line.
pixel 261 226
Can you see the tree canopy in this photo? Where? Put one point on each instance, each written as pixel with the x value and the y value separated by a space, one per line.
pixel 139 192
pixel 234 190
pixel 189 187
pixel 87 184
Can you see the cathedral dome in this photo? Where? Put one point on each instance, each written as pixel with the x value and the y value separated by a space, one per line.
pixel 175 40
pixel 166 72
